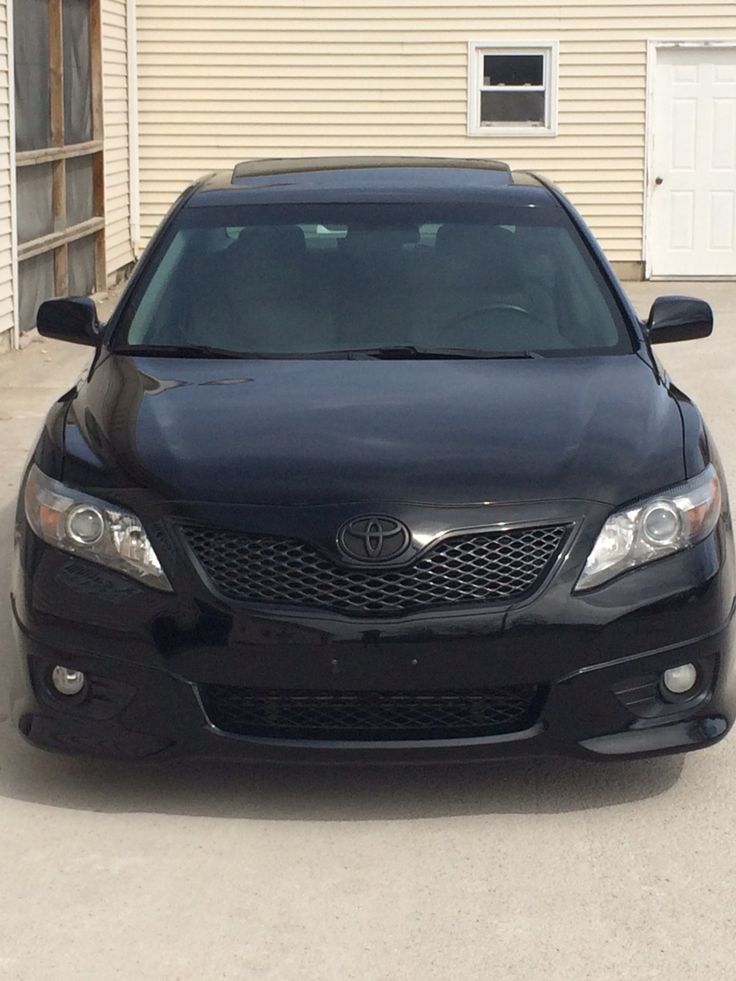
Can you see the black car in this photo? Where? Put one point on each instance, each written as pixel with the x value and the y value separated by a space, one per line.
pixel 374 462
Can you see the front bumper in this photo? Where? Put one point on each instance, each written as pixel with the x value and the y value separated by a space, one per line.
pixel 153 713
pixel 595 657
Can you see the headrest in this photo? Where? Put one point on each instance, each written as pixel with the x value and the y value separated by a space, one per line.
pixel 381 238
pixel 479 255
pixel 286 240
pixel 471 238
pixel 269 260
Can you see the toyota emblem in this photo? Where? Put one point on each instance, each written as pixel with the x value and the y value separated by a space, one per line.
pixel 374 538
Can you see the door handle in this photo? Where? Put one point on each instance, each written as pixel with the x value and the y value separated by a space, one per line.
pixel 658 181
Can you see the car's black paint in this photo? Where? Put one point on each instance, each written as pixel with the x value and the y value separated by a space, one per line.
pixel 450 430
pixel 299 448
pixel 679 318
pixel 71 319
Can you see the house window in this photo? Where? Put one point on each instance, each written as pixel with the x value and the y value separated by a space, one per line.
pixel 512 89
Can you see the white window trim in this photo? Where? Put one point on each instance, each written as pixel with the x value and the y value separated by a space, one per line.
pixel 476 50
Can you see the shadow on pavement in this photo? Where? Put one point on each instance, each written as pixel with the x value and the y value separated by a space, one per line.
pixel 228 790
pixel 283 793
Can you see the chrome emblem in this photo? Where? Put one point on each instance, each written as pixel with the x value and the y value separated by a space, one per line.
pixel 373 538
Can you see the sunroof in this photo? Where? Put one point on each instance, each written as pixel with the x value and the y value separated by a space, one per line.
pixel 313 165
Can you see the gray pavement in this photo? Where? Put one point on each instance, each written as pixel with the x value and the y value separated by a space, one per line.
pixel 551 870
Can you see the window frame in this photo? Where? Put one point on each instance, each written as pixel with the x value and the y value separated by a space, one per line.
pixel 476 51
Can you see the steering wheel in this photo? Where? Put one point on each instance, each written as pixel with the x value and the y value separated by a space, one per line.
pixel 493 308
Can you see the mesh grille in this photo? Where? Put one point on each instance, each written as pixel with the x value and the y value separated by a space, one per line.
pixel 477 568
pixel 371 715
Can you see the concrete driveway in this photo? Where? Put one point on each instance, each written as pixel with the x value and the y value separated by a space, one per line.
pixel 541 870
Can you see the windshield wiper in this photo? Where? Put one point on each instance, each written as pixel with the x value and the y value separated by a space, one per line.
pixel 408 352
pixel 184 351
pixel 399 352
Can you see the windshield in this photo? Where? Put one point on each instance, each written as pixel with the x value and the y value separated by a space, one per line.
pixel 308 279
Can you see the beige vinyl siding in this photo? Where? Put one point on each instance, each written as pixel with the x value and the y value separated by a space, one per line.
pixel 232 79
pixel 6 228
pixel 117 165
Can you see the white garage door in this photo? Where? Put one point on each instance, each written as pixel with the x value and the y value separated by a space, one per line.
pixel 692 204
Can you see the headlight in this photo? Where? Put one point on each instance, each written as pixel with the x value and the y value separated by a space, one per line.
pixel 667 523
pixel 92 529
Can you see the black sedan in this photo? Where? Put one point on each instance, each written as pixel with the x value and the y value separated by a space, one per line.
pixel 374 462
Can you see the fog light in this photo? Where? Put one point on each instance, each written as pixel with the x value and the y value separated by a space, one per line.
pixel 67 681
pixel 681 679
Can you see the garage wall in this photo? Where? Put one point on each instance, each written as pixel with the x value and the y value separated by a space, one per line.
pixel 232 79
pixel 117 150
pixel 6 236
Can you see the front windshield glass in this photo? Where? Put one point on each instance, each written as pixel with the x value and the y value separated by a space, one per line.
pixel 303 279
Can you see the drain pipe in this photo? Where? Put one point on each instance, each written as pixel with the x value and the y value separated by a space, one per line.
pixel 134 161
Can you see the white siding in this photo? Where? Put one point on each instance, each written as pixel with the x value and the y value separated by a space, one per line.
pixel 231 79
pixel 117 167
pixel 6 232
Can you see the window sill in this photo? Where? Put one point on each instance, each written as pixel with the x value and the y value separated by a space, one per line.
pixel 519 131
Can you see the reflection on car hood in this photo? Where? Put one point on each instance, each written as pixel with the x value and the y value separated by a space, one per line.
pixel 307 432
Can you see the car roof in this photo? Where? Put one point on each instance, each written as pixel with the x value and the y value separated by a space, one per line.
pixel 366 179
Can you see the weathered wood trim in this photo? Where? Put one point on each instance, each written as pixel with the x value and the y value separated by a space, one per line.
pixel 40 245
pixel 29 158
pixel 56 72
pixel 98 178
pixel 95 40
pixel 57 154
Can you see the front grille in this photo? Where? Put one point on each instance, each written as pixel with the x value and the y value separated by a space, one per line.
pixel 370 715
pixel 476 568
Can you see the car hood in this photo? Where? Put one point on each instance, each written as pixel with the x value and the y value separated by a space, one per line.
pixel 297 432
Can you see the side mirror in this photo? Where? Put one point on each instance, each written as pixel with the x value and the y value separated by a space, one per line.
pixel 72 319
pixel 679 318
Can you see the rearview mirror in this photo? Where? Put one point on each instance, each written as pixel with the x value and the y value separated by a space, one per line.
pixel 679 318
pixel 71 319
